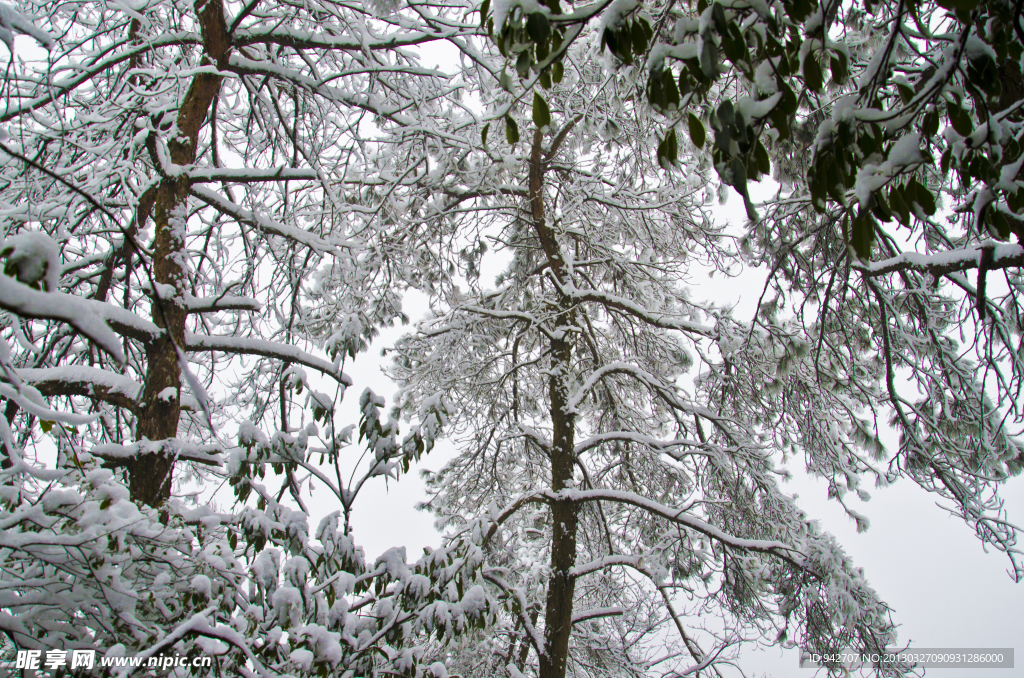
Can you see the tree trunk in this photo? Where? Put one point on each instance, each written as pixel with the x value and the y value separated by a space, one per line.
pixel 159 411
pixel 564 513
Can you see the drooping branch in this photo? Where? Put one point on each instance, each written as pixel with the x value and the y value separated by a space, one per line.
pixel 1003 256
pixel 267 349
pixel 82 380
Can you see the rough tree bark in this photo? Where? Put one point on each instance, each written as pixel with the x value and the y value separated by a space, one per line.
pixel 160 410
pixel 564 513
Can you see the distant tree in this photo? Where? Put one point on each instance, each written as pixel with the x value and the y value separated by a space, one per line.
pixel 619 440
pixel 874 117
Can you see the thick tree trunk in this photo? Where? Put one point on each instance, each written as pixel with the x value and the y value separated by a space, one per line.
pixel 159 412
pixel 565 513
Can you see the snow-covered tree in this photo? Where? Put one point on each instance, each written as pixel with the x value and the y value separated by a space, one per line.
pixel 859 324
pixel 628 509
pixel 190 207
pixel 202 202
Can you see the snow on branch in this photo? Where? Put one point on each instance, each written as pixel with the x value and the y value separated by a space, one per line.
pixel 13 22
pixel 678 516
pixel 1003 256
pixel 533 321
pixel 651 381
pixel 666 446
pixel 636 562
pixel 86 73
pixel 261 222
pixel 82 380
pixel 124 322
pixel 246 175
pixel 299 39
pixel 624 305
pixel 597 613
pixel 532 634
pixel 267 349
pixel 120 454
pixel 29 303
pixel 223 302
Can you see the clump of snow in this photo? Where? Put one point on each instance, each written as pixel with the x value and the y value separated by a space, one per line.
pixel 616 12
pixel 977 48
pixel 12 21
pixel 32 257
pixel 905 152
pixel 303 659
pixel 249 434
pixel 202 585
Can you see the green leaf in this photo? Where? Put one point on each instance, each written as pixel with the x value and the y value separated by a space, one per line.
pixel 709 60
pixel 538 27
pixel 764 163
pixel 926 200
pixel 557 71
pixel 906 93
pixel 523 64
pixel 840 65
pixel 45 425
pixel 718 16
pixel 1015 201
pixel 1000 225
pixel 812 73
pixel 511 130
pixel 833 182
pixel 541 112
pixel 485 7
pixel 800 9
pixel 734 44
pixel 726 113
pixel 646 26
pixel 780 120
pixel 960 121
pixel 624 40
pixel 668 85
pixel 862 235
pixel 879 208
pixel 816 185
pixel 668 150
pixel 483 135
pixel 608 38
pixel 899 205
pixel 505 81
pixel 545 80
pixel 697 134
pixel 739 176
pixel 639 39
pixel 789 101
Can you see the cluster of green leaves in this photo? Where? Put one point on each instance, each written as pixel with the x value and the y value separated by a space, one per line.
pixel 682 77
pixel 530 39
pixel 630 37
pixel 739 154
